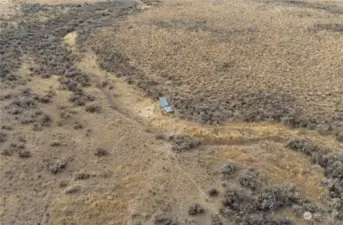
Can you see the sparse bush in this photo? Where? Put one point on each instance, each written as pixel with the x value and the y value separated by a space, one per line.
pixel 18 146
pixel 94 108
pixel 24 154
pixel 63 183
pixel 45 120
pixel 335 27
pixel 24 103
pixel 195 209
pixel 213 192
pixel 151 2
pixel 228 170
pixel 165 219
pixel 216 220
pixel 335 169
pixel 55 144
pixel 298 210
pixel 82 176
pixel 275 197
pixel 88 132
pixel 58 166
pixel 72 190
pixel 225 67
pixel 3 137
pixel 250 179
pixel 324 129
pixel 100 152
pixel 6 127
pixel 45 99
pixel 340 137
pixel 6 152
pixel 104 83
pixel 182 142
pixel 263 220
pixel 301 145
pixel 24 108
pixel 77 126
pixel 80 98
pixel 160 136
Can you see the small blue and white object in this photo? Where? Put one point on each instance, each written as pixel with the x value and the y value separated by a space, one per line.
pixel 165 105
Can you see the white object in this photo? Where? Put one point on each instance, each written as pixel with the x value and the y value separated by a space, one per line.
pixel 307 215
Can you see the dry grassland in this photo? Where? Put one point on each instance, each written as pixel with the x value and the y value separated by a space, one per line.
pixel 255 137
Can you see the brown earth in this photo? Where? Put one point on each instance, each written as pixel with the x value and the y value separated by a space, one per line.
pixel 103 156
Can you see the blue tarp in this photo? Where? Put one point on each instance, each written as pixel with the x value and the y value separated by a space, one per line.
pixel 165 104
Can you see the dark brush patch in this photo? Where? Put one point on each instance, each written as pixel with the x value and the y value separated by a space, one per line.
pixel 17 146
pixel 213 192
pixel 216 220
pixel 225 67
pixel 24 108
pixel 82 176
pixel 72 190
pixel 93 108
pixel 182 142
pixel 195 209
pixel 251 107
pixel 332 162
pixel 254 199
pixel 151 2
pixel 24 154
pixel 63 183
pixel 340 137
pixel 228 170
pixel 77 125
pixel 333 27
pixel 112 60
pixel 6 152
pixel 80 98
pixel 308 5
pixel 100 152
pixel 249 179
pixel 301 145
pixel 41 40
pixel 6 127
pixel 3 137
pixel 165 219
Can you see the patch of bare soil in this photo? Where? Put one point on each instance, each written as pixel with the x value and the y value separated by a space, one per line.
pixel 83 140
